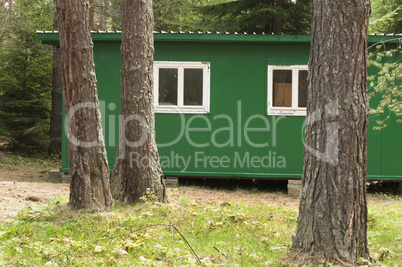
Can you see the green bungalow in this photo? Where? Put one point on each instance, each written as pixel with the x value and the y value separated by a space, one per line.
pixel 228 105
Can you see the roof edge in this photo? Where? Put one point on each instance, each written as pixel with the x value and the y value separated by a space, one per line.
pixel 51 37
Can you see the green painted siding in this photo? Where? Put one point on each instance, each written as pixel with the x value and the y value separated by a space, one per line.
pixel 239 92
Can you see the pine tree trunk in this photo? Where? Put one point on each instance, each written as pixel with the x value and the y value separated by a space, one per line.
pixel 137 171
pixel 57 96
pixel 333 210
pixel 88 165
pixel 92 15
pixel 278 17
pixel 101 14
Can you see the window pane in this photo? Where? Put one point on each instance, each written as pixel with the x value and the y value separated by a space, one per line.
pixel 167 86
pixel 282 88
pixel 303 84
pixel 193 87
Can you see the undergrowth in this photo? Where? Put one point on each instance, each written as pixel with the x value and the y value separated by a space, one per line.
pixel 11 161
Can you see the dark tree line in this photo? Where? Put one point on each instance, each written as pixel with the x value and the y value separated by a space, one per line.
pixel 25 74
pixel 269 16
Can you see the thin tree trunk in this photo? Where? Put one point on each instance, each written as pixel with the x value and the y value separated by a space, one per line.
pixel 92 15
pixel 88 165
pixel 137 171
pixel 57 96
pixel 101 10
pixel 333 210
pixel 278 17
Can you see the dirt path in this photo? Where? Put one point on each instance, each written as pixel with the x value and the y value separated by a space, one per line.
pixel 31 189
pixel 25 194
pixel 207 196
pixel 15 197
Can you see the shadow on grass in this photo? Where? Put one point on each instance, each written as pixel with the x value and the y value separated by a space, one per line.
pixel 384 188
pixel 252 185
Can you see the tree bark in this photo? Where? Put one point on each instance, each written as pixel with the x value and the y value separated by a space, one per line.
pixel 278 17
pixel 92 15
pixel 333 210
pixel 88 165
pixel 101 12
pixel 57 96
pixel 137 171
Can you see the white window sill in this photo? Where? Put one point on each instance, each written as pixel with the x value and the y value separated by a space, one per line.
pixel 182 110
pixel 287 112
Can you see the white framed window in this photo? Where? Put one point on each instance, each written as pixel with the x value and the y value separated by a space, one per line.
pixel 287 90
pixel 181 87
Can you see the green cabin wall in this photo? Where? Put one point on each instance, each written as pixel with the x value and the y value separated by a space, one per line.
pixel 238 90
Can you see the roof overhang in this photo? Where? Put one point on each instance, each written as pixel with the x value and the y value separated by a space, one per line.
pixel 52 37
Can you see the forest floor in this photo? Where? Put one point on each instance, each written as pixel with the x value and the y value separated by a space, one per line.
pixel 24 183
pixel 27 187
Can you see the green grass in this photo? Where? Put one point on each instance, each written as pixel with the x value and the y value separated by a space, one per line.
pixel 11 161
pixel 385 231
pixel 221 235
